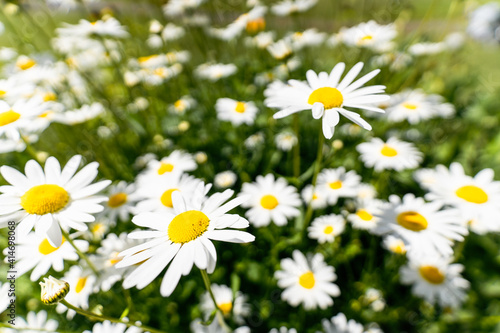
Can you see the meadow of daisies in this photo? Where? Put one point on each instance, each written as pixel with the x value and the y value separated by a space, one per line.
pixel 250 166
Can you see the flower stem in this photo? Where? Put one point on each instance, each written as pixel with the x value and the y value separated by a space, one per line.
pixel 296 148
pixel 80 253
pixel 220 317
pixel 317 168
pixel 94 316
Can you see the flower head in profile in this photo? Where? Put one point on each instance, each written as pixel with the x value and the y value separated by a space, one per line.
pixel 183 237
pixel 53 290
pixel 327 96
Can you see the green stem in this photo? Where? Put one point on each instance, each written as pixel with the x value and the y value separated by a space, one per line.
pixel 220 317
pixel 296 148
pixel 29 148
pixel 94 316
pixel 80 253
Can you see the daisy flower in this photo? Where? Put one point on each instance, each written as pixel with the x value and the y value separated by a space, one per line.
pixel 183 238
pixel 283 329
pixel 175 8
pixel 183 104
pixel 35 252
pixel 326 96
pixel 366 215
pixel 225 179
pixel 280 50
pixel 370 35
pixel 307 281
pixel 177 162
pixel 309 37
pixel 18 117
pixel 436 280
pixel 337 183
pixel 316 197
pixel 339 324
pixel 109 327
pixel 77 116
pixel 236 112
pixel 35 322
pixel 225 302
pixel 395 245
pixel 109 27
pixel 287 7
pixel 366 192
pixel 285 140
pixel 121 199
pixel 81 286
pixel 51 200
pixel 270 200
pixel 325 228
pixel 478 197
pixel 215 72
pixel 422 225
pixel 415 106
pixel 393 154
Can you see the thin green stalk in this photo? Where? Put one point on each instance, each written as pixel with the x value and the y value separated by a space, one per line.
pixel 94 316
pixel 29 149
pixel 296 148
pixel 220 317
pixel 80 253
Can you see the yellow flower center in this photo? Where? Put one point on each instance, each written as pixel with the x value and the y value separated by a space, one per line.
pixel 335 185
pixel 315 196
pixel 46 114
pixel 188 226
pixel 2 93
pixel 179 104
pixel 472 194
pixel 328 230
pixel 50 96
pixel 165 167
pixel 410 106
pixel 80 284
pixel 240 107
pixel 146 58
pixel 166 197
pixel 117 200
pixel 8 117
pixel 44 199
pixel 328 96
pixel 398 247
pixel 256 25
pixel 367 38
pixel 388 151
pixel 45 247
pixel 431 274
pixel 364 215
pixel 306 280
pixel 226 308
pixel 98 228
pixel 25 64
pixel 269 201
pixel 412 221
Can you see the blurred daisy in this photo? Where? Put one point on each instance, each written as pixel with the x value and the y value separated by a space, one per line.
pixel 280 50
pixel 285 140
pixel 283 329
pixel 177 162
pixel 371 35
pixel 254 140
pixel 393 154
pixel 270 200
pixel 121 200
pixel 326 96
pixel 325 228
pixel 35 252
pixel 309 37
pixel 337 183
pixel 175 8
pixel 422 225
pixel 236 112
pixel 415 106
pixel 215 72
pixel 366 215
pixel 78 116
pixel 51 200
pixel 366 192
pixel 238 307
pixel 109 27
pixel 180 242
pixel 249 21
pixel 109 327
pixel 287 7
pixel 395 245
pixel 81 286
pixel 478 197
pixel 225 179
pixel 317 198
pixel 16 118
pixel 436 280
pixel 339 324
pixel 35 322
pixel 183 104
pixel 307 281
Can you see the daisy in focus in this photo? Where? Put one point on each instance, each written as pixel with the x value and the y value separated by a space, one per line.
pixel 183 238
pixel 327 96
pixel 393 154
pixel 325 228
pixel 422 225
pixel 51 200
pixel 436 280
pixel 337 183
pixel 225 302
pixel 236 112
pixel 120 201
pixel 270 200
pixel 307 281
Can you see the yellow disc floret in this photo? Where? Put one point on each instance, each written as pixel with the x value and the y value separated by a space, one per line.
pixel 80 284
pixel 307 280
pixel 412 221
pixel 164 168
pixel 44 199
pixel 226 308
pixel 188 226
pixel 472 194
pixel 269 201
pixel 364 215
pixel 8 117
pixel 45 247
pixel 328 96
pixel 328 230
pixel 240 107
pixel 388 151
pixel 431 274
pixel 166 197
pixel 335 185
pixel 117 200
